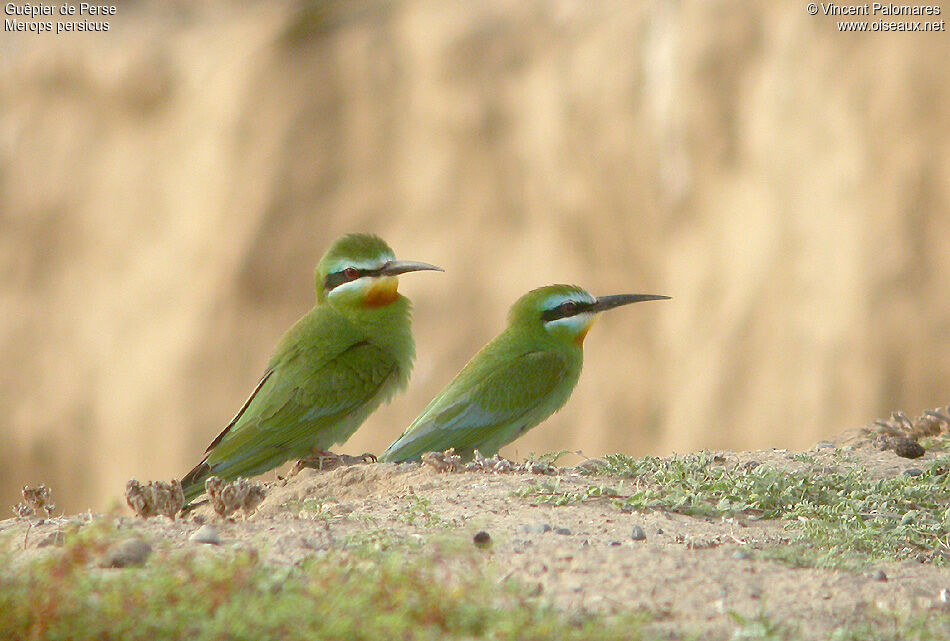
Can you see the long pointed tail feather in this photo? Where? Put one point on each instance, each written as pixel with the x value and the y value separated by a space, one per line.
pixel 193 483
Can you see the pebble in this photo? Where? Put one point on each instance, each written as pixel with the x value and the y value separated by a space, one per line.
pixel 740 555
pixel 534 528
pixel 913 471
pixel 563 531
pixel 879 575
pixel 944 595
pixel 824 445
pixel 614 543
pixel 127 554
pixel 206 534
pixel 637 534
pixel 482 539
pixel 908 448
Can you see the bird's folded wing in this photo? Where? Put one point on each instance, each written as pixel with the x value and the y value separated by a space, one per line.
pixel 294 400
pixel 478 403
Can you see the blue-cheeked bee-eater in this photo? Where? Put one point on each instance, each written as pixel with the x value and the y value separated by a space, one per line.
pixel 520 378
pixel 331 370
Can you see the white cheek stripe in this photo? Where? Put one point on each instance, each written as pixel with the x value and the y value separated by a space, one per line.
pixel 575 323
pixel 361 284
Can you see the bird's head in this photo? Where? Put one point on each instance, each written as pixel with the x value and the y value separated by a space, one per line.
pixel 361 270
pixel 567 311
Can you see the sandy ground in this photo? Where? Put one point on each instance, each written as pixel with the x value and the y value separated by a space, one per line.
pixel 688 574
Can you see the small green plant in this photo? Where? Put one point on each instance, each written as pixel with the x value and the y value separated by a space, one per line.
pixel 759 628
pixel 802 457
pixel 550 458
pixel 419 510
pixel 550 492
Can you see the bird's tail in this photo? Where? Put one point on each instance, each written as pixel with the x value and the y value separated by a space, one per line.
pixel 193 483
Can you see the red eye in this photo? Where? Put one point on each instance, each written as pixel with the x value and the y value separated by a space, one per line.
pixel 569 307
pixel 351 273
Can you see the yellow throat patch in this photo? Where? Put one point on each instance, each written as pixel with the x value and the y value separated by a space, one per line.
pixel 581 335
pixel 382 292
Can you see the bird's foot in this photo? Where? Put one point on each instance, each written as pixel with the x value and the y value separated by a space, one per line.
pixel 322 460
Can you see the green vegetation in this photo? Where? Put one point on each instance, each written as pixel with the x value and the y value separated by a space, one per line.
pixel 208 594
pixel 847 517
pixel 891 626
pixel 759 628
pixel 419 512
pixel 875 625
pixel 549 491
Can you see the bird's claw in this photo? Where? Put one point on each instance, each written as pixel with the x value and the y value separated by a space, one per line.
pixel 326 461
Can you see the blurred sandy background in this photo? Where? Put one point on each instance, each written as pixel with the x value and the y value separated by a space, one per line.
pixel 167 188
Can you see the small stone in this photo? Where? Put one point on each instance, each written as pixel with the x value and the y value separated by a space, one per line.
pixel 879 575
pixel 482 539
pixel 944 595
pixel 614 543
pixel 127 554
pixel 534 528
pixel 563 531
pixel 740 555
pixel 913 471
pixel 907 447
pixel 637 534
pixel 659 530
pixel 206 534
pixel 824 445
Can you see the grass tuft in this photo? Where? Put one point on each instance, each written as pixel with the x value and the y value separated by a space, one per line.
pixel 850 517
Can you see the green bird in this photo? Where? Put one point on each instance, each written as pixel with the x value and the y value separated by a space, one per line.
pixel 331 370
pixel 520 378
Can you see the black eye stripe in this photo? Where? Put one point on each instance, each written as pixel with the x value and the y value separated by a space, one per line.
pixel 338 278
pixel 565 309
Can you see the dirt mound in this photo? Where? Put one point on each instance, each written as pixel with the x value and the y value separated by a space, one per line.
pixel 576 539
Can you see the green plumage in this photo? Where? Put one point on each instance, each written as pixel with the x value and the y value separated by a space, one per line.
pixel 328 373
pixel 520 378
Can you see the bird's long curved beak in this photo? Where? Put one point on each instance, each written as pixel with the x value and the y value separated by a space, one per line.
pixel 609 302
pixel 396 267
